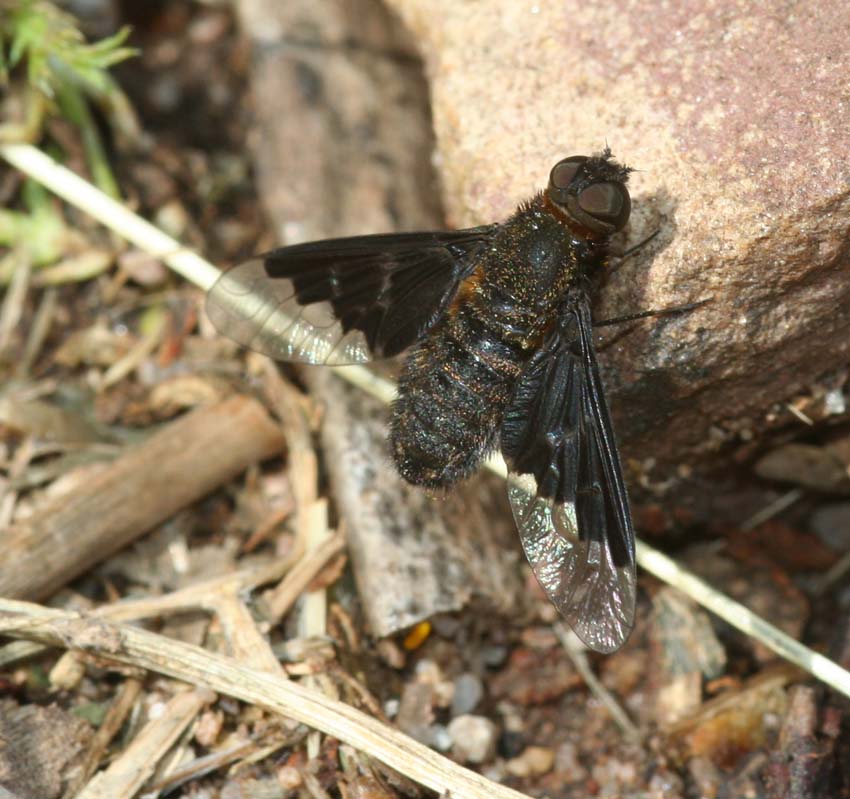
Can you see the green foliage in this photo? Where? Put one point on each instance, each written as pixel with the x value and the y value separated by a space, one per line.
pixel 46 43
pixel 47 67
pixel 39 231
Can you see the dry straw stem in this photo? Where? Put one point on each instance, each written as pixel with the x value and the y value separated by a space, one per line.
pixel 203 274
pixel 196 666
pixel 130 770
pixel 205 595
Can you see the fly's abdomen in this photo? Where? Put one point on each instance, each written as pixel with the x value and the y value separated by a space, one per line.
pixel 453 392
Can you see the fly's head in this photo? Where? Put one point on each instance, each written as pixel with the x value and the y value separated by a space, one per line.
pixel 590 195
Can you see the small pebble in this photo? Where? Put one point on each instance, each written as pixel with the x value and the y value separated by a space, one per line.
pixel 445 626
pixel 172 218
pixel 391 708
pixel 831 523
pixel 468 692
pixel 494 656
pixel 144 269
pixel 289 778
pixel 834 402
pixel 804 465
pixel 441 739
pixel 495 772
pixel 391 653
pixel 429 673
pixel 667 784
pixel 568 763
pixel 207 29
pixel 416 711
pixel 511 744
pixel 533 762
pixel 208 727
pixel 473 738
pixel 165 93
pixel 613 775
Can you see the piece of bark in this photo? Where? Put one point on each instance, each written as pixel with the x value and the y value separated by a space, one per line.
pixel 413 555
pixel 344 141
pixel 176 466
pixel 804 763
pixel 38 747
pixel 737 118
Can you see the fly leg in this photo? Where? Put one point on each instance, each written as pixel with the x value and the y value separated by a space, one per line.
pixel 618 320
pixel 672 311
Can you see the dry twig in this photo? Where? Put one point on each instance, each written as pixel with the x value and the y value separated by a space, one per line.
pixel 123 703
pixel 145 486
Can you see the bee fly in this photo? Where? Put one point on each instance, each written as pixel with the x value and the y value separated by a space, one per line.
pixel 498 325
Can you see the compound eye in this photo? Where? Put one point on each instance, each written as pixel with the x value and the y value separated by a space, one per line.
pixel 564 172
pixel 607 202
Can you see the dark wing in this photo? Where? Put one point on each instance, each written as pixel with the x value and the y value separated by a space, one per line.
pixel 344 300
pixel 566 485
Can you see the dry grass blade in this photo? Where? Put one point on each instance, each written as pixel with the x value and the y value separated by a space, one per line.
pixel 119 219
pixel 576 652
pixel 115 716
pixel 191 664
pixel 136 764
pixel 38 330
pixel 12 307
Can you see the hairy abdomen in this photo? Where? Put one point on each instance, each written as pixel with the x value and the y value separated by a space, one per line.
pixel 453 392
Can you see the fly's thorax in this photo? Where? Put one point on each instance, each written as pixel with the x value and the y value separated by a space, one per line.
pixel 534 256
pixel 528 268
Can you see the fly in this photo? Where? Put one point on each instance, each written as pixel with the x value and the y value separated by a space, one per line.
pixel 496 323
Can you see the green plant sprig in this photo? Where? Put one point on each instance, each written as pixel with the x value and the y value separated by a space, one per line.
pixel 48 67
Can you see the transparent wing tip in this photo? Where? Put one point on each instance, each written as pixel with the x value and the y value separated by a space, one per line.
pixel 595 597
